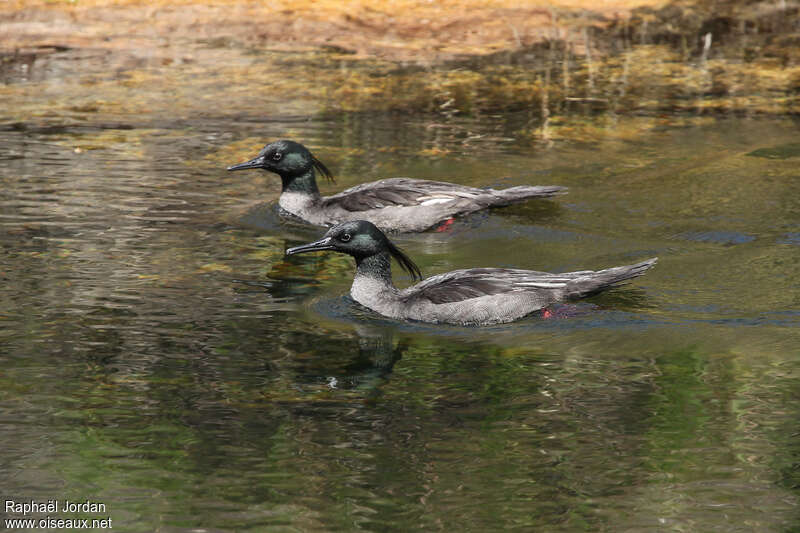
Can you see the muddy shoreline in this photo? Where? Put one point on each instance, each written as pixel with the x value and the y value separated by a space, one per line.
pixel 449 58
pixel 411 31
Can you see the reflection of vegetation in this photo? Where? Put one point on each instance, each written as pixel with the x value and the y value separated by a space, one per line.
pixel 235 421
pixel 679 412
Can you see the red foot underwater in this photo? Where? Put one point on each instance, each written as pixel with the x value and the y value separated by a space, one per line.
pixel 445 225
pixel 558 311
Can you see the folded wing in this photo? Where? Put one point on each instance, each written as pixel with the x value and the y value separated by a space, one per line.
pixel 409 192
pixel 400 192
pixel 461 285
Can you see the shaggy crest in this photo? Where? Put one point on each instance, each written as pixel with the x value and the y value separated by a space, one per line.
pixel 404 261
pixel 322 169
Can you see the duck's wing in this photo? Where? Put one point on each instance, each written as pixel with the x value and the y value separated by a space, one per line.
pixel 462 285
pixel 401 192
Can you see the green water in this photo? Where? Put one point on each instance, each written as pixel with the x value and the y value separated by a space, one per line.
pixel 138 371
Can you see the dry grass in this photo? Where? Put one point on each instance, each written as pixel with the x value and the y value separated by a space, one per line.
pixel 355 55
pixel 403 29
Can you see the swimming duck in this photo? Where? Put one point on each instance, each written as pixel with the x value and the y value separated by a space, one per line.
pixel 395 204
pixel 475 296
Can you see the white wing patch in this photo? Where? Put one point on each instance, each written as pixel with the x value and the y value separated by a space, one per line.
pixel 427 200
pixel 549 282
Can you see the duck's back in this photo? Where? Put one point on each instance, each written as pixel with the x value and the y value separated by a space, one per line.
pixel 481 296
pixel 405 204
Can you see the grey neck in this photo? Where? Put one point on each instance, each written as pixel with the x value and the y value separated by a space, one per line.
pixel 378 267
pixel 304 183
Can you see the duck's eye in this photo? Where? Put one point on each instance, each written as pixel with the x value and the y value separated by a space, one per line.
pixel 345 237
pixel 277 156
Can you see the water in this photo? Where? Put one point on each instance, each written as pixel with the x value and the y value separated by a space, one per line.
pixel 159 353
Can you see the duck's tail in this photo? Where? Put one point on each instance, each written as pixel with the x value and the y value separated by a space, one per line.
pixel 521 193
pixel 590 282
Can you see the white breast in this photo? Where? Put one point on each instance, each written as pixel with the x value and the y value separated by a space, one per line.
pixel 375 294
pixel 296 203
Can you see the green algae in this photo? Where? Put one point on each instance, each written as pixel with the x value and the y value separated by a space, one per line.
pixel 783 151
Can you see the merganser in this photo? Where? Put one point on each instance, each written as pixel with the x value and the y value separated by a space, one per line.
pixel 475 296
pixel 395 205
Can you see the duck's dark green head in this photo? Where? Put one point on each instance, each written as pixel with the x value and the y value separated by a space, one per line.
pixel 361 239
pixel 288 159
